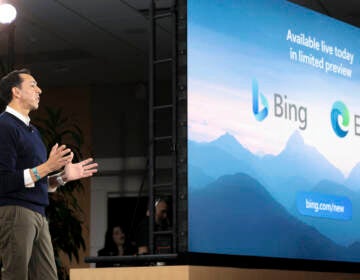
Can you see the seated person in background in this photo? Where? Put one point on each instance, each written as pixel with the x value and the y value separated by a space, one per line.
pixel 115 245
pixel 161 223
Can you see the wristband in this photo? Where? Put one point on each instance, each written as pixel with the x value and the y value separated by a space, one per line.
pixel 36 173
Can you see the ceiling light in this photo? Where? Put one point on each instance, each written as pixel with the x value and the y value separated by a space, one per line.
pixel 7 13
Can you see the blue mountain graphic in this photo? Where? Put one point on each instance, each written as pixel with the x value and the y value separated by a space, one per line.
pixel 299 160
pixel 353 181
pixel 197 177
pixel 284 191
pixel 342 232
pixel 215 159
pixel 226 155
pixel 229 144
pixel 237 215
pixel 298 167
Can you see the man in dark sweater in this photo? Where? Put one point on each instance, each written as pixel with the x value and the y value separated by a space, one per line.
pixel 162 243
pixel 25 244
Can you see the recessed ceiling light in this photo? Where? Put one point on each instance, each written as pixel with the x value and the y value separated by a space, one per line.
pixel 7 13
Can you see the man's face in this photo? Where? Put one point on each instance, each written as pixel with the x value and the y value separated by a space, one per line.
pixel 29 93
pixel 161 212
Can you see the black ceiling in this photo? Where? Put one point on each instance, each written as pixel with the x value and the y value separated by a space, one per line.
pixel 95 42
pixel 344 10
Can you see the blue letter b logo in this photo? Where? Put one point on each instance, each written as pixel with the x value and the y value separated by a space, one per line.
pixel 259 115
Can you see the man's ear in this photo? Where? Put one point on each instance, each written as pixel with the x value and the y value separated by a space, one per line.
pixel 15 92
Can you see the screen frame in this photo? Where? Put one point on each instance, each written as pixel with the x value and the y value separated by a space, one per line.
pixel 244 261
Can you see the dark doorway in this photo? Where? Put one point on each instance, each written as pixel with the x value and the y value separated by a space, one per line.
pixel 127 212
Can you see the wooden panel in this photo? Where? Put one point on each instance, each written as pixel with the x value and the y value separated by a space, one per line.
pixel 202 273
pixel 131 273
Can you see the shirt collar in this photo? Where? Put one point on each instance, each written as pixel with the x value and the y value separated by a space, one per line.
pixel 12 111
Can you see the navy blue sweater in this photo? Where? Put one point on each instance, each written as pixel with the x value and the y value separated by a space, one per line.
pixel 21 148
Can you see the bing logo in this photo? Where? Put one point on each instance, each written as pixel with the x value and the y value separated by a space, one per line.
pixel 340 109
pixel 282 108
pixel 259 115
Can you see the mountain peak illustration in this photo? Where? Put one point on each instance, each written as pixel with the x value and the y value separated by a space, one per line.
pixel 227 139
pixel 228 143
pixel 295 141
pixel 300 159
pixel 225 155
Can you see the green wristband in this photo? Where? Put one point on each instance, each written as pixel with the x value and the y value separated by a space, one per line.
pixel 36 173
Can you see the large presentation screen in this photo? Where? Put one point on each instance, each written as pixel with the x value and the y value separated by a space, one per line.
pixel 273 131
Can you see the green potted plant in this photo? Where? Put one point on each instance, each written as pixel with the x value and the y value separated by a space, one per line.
pixel 64 213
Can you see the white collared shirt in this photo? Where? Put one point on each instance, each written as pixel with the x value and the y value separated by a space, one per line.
pixel 12 111
pixel 28 182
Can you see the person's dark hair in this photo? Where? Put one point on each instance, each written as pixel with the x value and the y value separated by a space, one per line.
pixel 110 247
pixel 7 82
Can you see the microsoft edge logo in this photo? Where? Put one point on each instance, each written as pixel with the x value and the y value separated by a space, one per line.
pixel 339 109
pixel 259 115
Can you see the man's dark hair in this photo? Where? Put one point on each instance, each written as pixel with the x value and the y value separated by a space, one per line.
pixel 7 82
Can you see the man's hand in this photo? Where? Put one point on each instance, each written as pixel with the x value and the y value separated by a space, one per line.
pixel 58 157
pixel 82 169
